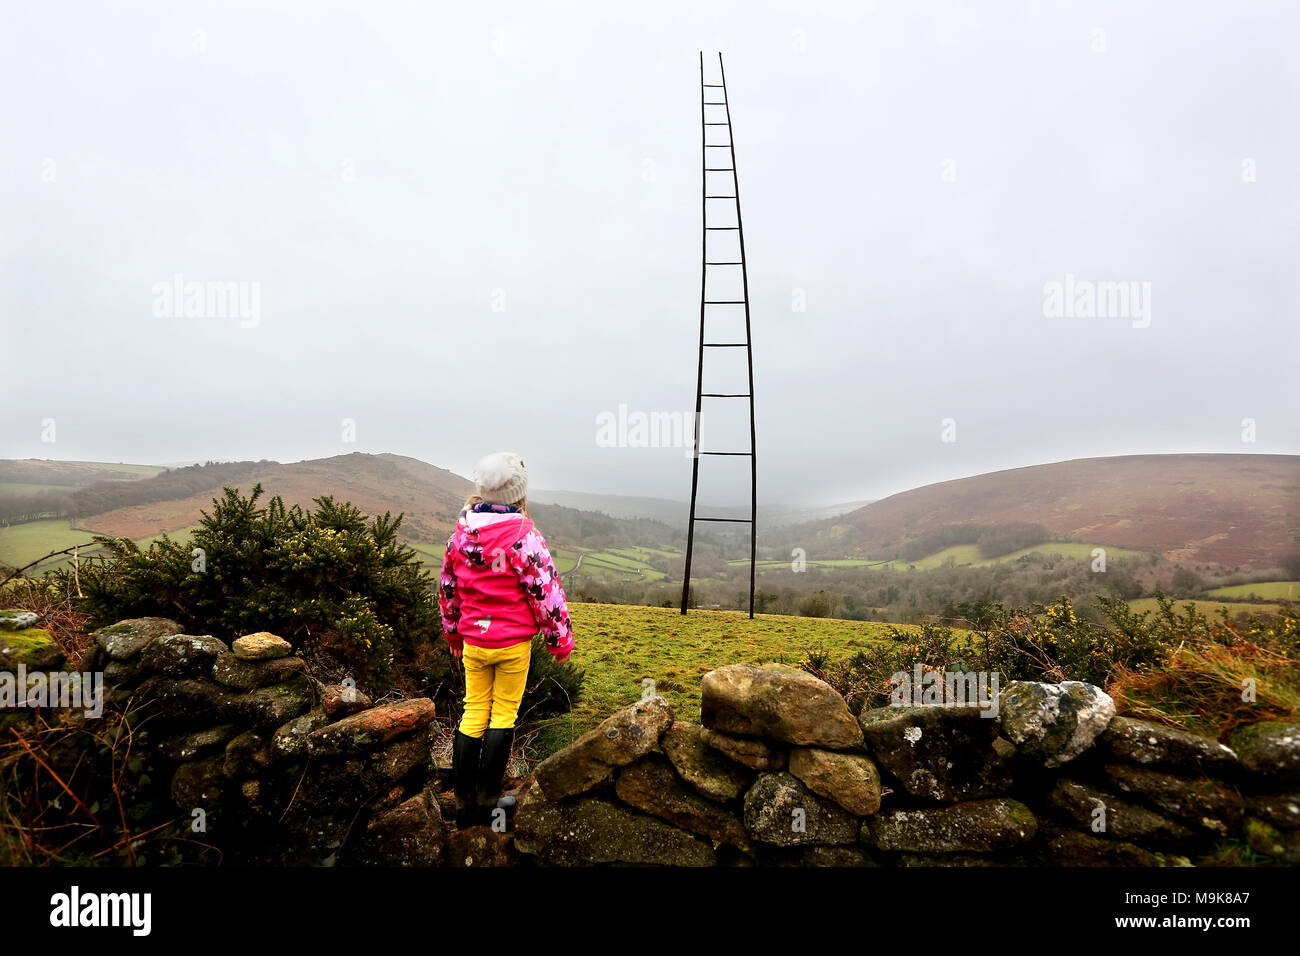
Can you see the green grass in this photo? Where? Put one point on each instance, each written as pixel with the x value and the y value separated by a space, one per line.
pixel 662 552
pixel 1263 590
pixel 968 554
pixel 623 563
pixel 564 559
pixel 1208 608
pixel 25 488
pixel 21 543
pixel 825 563
pixel 431 554
pixel 638 555
pixel 619 646
pixel 614 560
pixel 182 535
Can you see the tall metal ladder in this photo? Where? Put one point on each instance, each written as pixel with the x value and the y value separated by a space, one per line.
pixel 708 97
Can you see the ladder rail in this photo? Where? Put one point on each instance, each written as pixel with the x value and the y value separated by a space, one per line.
pixel 699 378
pixel 749 352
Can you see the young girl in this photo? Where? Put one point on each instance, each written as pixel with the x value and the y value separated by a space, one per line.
pixel 499 588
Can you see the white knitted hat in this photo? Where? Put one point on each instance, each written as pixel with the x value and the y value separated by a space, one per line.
pixel 500 478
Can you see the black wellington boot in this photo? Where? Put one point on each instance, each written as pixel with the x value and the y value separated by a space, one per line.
pixel 465 751
pixel 492 772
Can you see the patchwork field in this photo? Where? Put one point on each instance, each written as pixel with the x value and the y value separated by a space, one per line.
pixel 615 563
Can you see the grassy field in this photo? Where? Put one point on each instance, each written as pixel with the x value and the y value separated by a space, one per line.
pixel 968 554
pixel 21 543
pixel 26 488
pixel 620 563
pixel 962 555
pixel 1262 590
pixel 1208 608
pixel 826 563
pixel 620 646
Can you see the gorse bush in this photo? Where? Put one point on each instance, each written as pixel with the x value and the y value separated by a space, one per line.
pixel 552 689
pixel 1219 674
pixel 328 576
pixel 1174 666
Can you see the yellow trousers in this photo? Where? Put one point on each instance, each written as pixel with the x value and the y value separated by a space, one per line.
pixel 494 685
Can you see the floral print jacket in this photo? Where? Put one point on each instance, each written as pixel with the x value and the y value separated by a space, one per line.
pixel 499 585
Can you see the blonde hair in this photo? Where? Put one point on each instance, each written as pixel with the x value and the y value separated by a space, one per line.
pixel 477 499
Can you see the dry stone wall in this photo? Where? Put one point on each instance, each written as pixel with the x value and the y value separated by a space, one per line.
pixel 279 768
pixel 780 772
pixel 251 756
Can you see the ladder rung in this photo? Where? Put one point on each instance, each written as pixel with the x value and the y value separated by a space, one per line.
pixel 719 197
pixel 724 263
pixel 732 520
pixel 719 169
pixel 726 345
pixel 724 394
pixel 715 102
pixel 717 124
pixel 724 301
pixel 722 228
pixel 716 86
pixel 742 454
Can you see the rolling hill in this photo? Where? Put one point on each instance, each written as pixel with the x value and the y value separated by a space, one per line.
pixel 27 475
pixel 429 496
pixel 1233 510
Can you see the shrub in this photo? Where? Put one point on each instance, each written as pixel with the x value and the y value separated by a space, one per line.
pixel 1000 539
pixel 1220 674
pixel 327 577
pixel 1175 667
pixel 817 604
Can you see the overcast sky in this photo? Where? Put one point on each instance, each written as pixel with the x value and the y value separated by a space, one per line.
pixel 472 229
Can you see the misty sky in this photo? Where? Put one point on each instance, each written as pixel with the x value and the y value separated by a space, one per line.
pixel 477 227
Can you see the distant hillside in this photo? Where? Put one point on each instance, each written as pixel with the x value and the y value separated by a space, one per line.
pixel 1235 510
pixel 32 473
pixel 429 496
pixel 675 513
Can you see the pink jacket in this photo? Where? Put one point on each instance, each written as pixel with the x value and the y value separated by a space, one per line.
pixel 500 586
